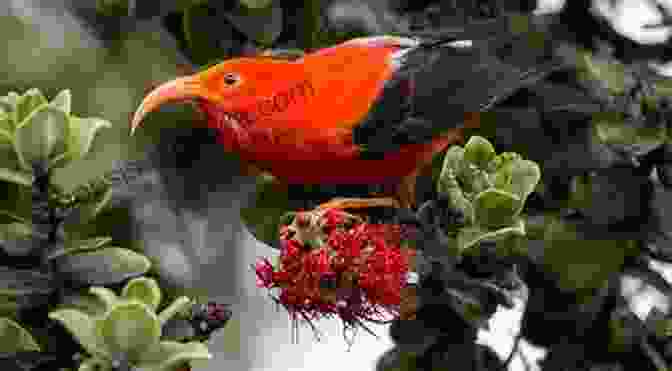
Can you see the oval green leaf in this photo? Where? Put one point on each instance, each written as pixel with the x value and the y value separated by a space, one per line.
pixel 614 130
pixel 30 101
pixel 105 266
pixel 525 176
pixel 82 132
pixel 479 151
pixel 89 304
pixel 143 289
pixel 256 4
pixel 63 101
pixel 95 364
pixel 169 354
pixel 77 246
pixel 14 338
pixel 178 305
pixel 83 328
pixel 612 74
pixel 130 328
pixel 6 128
pixel 23 178
pixel 471 236
pixel 8 102
pixel 106 296
pixel 39 134
pixel 495 208
pixel 580 263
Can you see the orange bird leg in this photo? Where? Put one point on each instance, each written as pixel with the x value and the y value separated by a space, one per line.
pixel 360 203
pixel 404 192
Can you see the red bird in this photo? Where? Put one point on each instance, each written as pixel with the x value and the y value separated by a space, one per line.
pixel 369 110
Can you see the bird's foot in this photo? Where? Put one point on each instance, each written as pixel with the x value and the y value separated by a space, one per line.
pixel 360 203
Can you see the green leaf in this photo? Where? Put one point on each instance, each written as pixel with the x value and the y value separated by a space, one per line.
pixel 10 101
pixel 143 289
pixel 90 210
pixel 270 205
pixel 469 308
pixel 86 303
pixel 256 4
pixel 453 159
pixel 6 129
pixel 63 101
pixel 130 328
pixel 612 74
pixel 525 176
pixel 60 161
pixel 105 266
pixel 178 305
pixel 452 164
pixel 106 296
pixel 39 134
pixel 472 236
pixel 14 217
pixel 495 208
pixel 83 328
pixel 580 263
pixel 663 88
pixel 14 338
pixel 167 355
pixel 450 189
pixel 17 238
pixel 78 246
pixel 95 364
pixel 612 129
pixel 16 177
pixel 30 101
pixel 82 132
pixel 479 151
pixel 14 231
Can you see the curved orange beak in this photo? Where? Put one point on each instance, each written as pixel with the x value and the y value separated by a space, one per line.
pixel 178 90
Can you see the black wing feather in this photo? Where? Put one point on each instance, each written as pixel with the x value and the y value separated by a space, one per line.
pixel 448 82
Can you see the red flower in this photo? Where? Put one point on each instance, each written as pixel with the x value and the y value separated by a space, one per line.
pixel 333 218
pixel 264 270
pixel 303 219
pixel 280 277
pixel 290 249
pixel 323 265
pixel 358 274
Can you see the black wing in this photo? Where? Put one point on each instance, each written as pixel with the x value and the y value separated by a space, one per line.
pixel 438 83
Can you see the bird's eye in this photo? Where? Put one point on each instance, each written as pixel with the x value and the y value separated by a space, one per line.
pixel 231 78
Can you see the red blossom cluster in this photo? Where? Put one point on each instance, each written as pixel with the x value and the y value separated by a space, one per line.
pixel 335 263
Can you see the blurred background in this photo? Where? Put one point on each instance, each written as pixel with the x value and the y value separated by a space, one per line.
pixel 192 224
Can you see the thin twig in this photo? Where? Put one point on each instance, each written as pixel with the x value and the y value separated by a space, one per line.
pixel 655 357
pixel 526 361
pixel 514 350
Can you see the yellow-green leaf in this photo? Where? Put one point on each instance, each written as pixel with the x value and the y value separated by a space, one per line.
pixel 39 134
pixel 130 328
pixel 256 4
pixel 143 289
pixel 16 177
pixel 28 103
pixel 82 132
pixel 14 338
pixel 63 101
pixel 83 328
